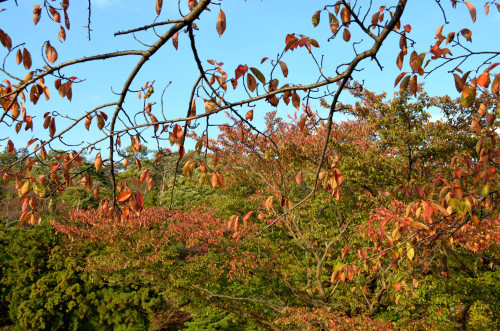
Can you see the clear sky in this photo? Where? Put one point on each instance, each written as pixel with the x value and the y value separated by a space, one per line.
pixel 255 29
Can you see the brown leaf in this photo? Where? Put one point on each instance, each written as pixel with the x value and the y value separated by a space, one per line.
pixel 36 14
pixel 346 35
pixel 159 5
pixel 221 23
pixel 19 57
pixel 296 100
pixel 316 18
pixel 88 121
pixel 249 115
pixel 51 53
pixel 251 82
pixel 215 159
pixel 345 15
pixel 242 133
pixel 399 60
pixel 98 161
pixel 400 76
pixel 334 23
pixel 284 68
pixel 55 14
pixel 302 123
pixel 52 127
pixel 5 40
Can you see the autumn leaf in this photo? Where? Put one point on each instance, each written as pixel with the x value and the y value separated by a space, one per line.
pixel 221 23
pixel 316 18
pixel 472 11
pixel 50 52
pixel 175 40
pixel 295 100
pixel 258 74
pixel 284 68
pixel 249 115
pixel 251 82
pixel 98 161
pixel 26 59
pixel 159 5
pixel 37 11
pixel 346 35
pixel 334 23
pixel 299 178
pixel 240 71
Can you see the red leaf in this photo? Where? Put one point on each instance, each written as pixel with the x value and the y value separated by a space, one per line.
pixel 241 70
pixel 175 40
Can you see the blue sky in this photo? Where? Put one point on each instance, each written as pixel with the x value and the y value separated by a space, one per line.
pixel 255 29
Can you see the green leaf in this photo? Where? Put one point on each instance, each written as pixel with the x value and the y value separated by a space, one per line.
pixel 258 74
pixel 39 189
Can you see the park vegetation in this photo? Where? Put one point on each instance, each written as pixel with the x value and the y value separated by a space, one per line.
pixel 356 210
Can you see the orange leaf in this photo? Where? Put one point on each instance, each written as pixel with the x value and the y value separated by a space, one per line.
pixel 299 178
pixel 472 11
pixel 483 79
pixel 221 23
pixel 159 5
pixel 123 196
pixel 249 115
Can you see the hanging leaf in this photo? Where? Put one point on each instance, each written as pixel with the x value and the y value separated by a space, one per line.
pixel 316 18
pixel 50 52
pixel 295 100
pixel 467 34
pixel 221 23
pixel 26 59
pixel 346 35
pixel 249 115
pixel 159 5
pixel 175 40
pixel 472 11
pixel 37 11
pixel 251 82
pixel 400 76
pixel 284 68
pixel 258 74
pixel 98 161
pixel 19 57
pixel 334 23
pixel 299 178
